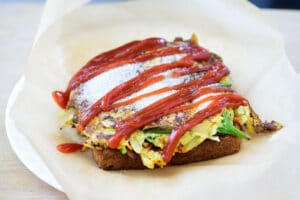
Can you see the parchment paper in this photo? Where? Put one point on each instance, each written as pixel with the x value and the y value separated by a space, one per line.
pixel 267 167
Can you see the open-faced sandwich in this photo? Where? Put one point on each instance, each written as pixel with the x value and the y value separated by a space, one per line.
pixel 152 103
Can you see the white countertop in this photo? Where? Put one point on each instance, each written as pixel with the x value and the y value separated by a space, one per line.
pixel 18 24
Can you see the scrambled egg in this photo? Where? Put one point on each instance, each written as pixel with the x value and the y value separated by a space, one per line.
pixel 149 145
pixel 205 130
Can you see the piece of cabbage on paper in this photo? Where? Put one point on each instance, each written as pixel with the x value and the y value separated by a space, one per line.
pixel 267 167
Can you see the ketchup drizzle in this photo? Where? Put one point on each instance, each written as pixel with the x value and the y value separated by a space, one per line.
pixel 137 51
pixel 141 51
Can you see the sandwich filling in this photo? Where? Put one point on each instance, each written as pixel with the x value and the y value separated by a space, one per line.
pixel 156 98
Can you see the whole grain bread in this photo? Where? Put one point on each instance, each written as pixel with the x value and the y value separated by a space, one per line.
pixel 111 159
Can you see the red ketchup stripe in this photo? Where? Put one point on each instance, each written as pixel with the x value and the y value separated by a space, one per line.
pixel 231 100
pixel 191 71
pixel 206 99
pixel 145 84
pixel 135 99
pixel 217 72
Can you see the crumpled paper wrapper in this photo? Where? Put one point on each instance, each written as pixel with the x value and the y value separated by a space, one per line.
pixel 267 167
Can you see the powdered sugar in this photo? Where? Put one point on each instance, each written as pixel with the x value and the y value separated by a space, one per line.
pixel 100 85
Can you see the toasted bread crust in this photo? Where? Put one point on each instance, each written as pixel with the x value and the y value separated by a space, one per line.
pixel 111 159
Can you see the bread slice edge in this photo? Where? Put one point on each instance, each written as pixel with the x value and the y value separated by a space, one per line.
pixel 112 159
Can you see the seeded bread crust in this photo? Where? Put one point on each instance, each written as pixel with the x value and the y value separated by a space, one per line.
pixel 111 159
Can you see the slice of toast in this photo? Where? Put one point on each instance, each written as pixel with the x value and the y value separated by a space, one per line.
pixel 111 159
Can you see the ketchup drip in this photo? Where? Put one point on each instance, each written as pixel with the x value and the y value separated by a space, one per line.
pixel 228 100
pixel 137 51
pixel 69 147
